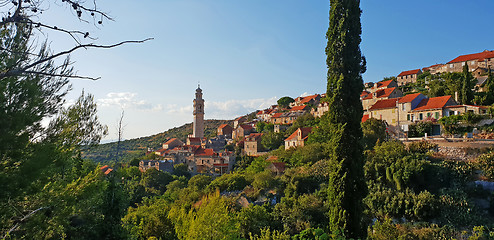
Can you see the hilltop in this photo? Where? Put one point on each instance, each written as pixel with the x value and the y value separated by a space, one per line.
pixel 138 146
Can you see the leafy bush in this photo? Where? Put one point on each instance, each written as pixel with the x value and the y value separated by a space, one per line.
pixel 229 182
pixel 420 129
pixel 485 163
pixel 421 147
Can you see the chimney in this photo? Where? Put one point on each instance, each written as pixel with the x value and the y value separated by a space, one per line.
pixel 456 97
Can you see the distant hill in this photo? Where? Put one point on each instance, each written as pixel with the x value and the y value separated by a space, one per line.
pixel 137 147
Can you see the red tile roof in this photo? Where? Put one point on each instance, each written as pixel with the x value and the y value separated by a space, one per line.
pixel 409 98
pixel 432 103
pixel 194 139
pixel 384 103
pixel 430 67
pixel 239 118
pixel 104 167
pixel 409 72
pixel 309 98
pixel 205 152
pixel 260 112
pixel 381 93
pixel 246 126
pixel 170 141
pixel 365 117
pixel 277 115
pixel 223 126
pixel 305 133
pixel 383 84
pixel 299 108
pixel 253 136
pixel 476 56
pixel 108 171
pixel 364 93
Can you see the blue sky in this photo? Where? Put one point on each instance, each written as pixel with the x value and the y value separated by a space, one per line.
pixel 248 54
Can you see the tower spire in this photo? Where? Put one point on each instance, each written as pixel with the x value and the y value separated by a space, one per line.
pixel 198 128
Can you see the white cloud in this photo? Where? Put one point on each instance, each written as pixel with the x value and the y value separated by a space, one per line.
pixel 305 94
pixel 127 100
pixel 226 109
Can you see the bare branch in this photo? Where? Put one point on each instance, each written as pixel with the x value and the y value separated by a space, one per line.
pixel 61 75
pixel 22 220
pixel 15 72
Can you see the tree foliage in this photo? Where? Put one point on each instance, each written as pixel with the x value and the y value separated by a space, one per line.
pixel 340 126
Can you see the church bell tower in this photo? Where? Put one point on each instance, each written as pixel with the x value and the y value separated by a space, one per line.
pixel 198 128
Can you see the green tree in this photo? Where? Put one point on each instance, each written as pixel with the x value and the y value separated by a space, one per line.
pixel 284 102
pixel 467 85
pixel 272 140
pixel 340 126
pixel 374 130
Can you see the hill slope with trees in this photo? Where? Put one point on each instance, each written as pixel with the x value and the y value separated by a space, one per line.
pixel 137 147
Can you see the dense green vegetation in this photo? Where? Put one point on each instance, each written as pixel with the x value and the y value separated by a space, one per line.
pixel 134 148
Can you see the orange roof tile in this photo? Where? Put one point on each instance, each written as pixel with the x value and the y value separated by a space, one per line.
pixel 383 84
pixel 305 133
pixel 223 126
pixel 382 93
pixel 108 171
pixel 277 115
pixel 433 66
pixel 384 103
pixel 299 108
pixel 194 139
pixel 308 98
pixel 364 93
pixel 365 117
pixel 432 103
pixel 253 136
pixel 408 98
pixel 104 167
pixel 476 56
pixel 409 72
pixel 246 126
pixel 205 152
pixel 170 141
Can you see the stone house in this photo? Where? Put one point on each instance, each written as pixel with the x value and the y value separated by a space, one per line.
pixel 409 76
pixel 252 144
pixel 433 69
pixel 483 59
pixel 242 130
pixel 460 109
pixel 406 104
pixel 239 121
pixel 298 138
pixel 286 118
pixel 431 108
pixel 320 110
pixel 308 100
pixel 225 130
pixel 173 142
pixel 369 99
pixel 384 109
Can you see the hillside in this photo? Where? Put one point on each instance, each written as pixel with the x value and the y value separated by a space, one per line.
pixel 137 147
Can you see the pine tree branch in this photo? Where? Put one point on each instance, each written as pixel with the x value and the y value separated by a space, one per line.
pixel 15 72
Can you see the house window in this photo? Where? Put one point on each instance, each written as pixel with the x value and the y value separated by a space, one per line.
pixel 451 113
pixel 403 108
pixel 408 117
pixel 437 115
pixel 421 116
pixel 428 114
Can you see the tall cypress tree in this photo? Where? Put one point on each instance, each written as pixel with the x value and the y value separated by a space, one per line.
pixel 346 64
pixel 466 86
